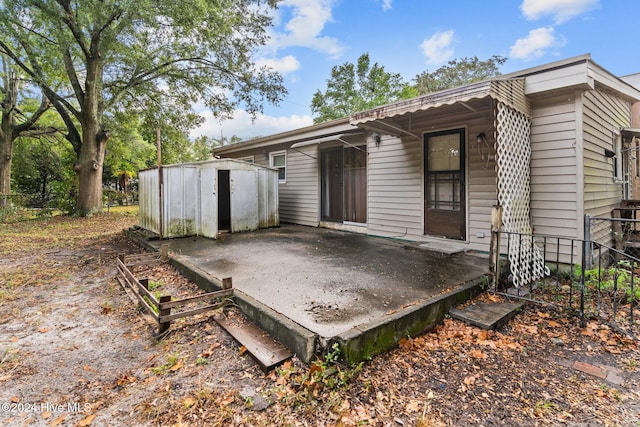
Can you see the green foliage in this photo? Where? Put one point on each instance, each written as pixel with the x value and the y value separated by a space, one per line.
pixel 616 278
pixel 152 59
pixel 42 172
pixel 357 87
pixel 458 72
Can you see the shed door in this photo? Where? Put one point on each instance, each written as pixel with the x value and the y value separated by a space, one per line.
pixel 444 184
pixel 244 200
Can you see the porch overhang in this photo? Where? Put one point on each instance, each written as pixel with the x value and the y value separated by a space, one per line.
pixel 510 92
pixel 628 134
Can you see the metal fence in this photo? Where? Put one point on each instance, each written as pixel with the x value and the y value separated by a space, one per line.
pixel 589 278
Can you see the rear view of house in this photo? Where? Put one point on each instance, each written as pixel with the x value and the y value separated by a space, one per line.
pixel 549 144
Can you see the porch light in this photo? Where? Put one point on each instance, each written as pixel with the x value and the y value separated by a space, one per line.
pixel 376 138
pixel 481 138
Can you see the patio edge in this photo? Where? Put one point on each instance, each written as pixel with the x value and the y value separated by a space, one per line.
pixel 367 340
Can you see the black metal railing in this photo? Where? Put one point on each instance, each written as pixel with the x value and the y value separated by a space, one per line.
pixel 587 278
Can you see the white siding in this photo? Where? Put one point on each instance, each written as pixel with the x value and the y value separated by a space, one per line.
pixel 554 185
pixel 394 172
pixel 299 196
pixel 603 113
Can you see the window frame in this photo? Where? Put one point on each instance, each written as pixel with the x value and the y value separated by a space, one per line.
pixel 272 156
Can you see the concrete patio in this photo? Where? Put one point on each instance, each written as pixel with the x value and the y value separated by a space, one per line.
pixel 310 287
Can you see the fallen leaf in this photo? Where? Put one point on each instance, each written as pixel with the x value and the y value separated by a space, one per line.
pixel 413 406
pixel 553 324
pixel 469 380
pixel 188 402
pixel 58 420
pixel 43 330
pixel 242 350
pixel 478 354
pixel 87 420
pixel 46 415
pixel 15 399
pixel 176 366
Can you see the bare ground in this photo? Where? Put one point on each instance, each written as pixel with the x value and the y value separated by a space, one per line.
pixel 75 351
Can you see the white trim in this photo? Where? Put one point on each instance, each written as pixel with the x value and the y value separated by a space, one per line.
pixel 273 154
pixel 248 159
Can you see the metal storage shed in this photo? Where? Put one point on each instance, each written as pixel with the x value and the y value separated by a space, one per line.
pixel 206 198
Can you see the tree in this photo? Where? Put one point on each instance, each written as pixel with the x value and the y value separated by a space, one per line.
pixel 354 88
pixel 94 57
pixel 18 119
pixel 458 72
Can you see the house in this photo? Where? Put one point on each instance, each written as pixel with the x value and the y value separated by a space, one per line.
pixel 549 144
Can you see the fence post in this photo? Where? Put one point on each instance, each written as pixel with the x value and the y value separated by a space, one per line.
pixel 163 326
pixel 164 252
pixel 494 255
pixel 586 263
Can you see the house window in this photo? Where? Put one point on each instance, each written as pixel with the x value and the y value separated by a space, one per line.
pixel 278 160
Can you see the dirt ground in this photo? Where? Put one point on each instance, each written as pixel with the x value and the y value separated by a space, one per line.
pixel 75 351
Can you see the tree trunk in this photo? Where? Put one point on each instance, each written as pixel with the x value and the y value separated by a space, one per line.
pixel 89 168
pixel 6 155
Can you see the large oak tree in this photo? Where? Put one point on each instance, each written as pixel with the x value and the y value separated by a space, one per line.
pixel 94 57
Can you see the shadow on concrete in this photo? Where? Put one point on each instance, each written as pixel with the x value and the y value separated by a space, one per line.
pixel 328 286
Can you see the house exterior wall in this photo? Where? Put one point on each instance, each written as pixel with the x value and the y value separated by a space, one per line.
pixel 396 180
pixel 554 168
pixel 299 196
pixel 604 114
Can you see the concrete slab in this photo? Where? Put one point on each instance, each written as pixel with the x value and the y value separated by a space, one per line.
pixel 328 281
pixel 488 315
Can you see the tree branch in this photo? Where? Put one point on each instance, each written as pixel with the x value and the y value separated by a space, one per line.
pixel 155 72
pixel 36 74
pixel 69 19
pixel 31 121
pixel 73 77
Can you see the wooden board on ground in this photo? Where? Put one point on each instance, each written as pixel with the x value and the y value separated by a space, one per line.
pixel 486 315
pixel 268 352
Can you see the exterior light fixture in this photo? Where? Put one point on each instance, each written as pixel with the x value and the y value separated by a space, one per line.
pixel 376 138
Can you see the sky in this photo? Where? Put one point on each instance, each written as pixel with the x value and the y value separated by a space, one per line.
pixel 408 37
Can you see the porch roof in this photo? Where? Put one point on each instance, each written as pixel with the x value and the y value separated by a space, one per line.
pixel 509 91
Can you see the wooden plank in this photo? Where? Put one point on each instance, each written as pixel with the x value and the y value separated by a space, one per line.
pixel 486 315
pixel 197 298
pixel 170 317
pixel 263 348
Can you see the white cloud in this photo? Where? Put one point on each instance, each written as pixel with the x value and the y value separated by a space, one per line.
pixel 305 27
pixel 560 10
pixel 386 4
pixel 535 44
pixel 241 125
pixel 437 49
pixel 285 65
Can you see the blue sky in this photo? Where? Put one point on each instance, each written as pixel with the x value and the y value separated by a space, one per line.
pixel 411 36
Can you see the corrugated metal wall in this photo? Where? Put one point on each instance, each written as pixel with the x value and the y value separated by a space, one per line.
pixel 190 198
